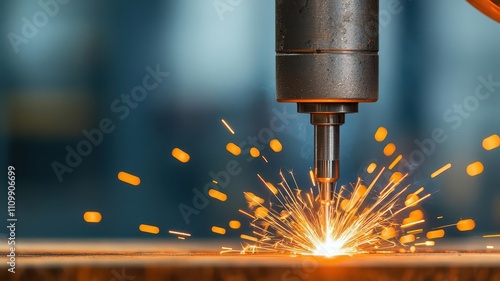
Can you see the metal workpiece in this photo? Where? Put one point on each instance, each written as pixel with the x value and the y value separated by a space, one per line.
pixel 140 260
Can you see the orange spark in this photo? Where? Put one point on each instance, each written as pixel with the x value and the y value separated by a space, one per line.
pixel 129 178
pixel 441 170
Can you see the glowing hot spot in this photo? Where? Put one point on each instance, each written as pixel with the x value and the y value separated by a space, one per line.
pixel 276 145
pixel 218 230
pixel 411 200
pixel 396 177
pixel 129 178
pixel 417 215
pixel 380 134
pixel 217 195
pixel 475 169
pixel 389 149
pixel 233 149
pixel 330 248
pixel 388 233
pixel 466 225
pixel 272 188
pixel 261 212
pixel 405 239
pixel 371 168
pixel 180 155
pixel 253 200
pixel 234 224
pixel 435 234
pixel 254 152
pixel 491 142
pixel 92 217
pixel 149 228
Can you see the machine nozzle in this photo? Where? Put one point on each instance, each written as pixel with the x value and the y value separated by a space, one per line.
pixel 326 151
pixel 327 119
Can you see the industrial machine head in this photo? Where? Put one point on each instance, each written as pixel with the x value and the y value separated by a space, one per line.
pixel 327 63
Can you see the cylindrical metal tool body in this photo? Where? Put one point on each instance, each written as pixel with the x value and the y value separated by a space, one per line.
pixel 327 50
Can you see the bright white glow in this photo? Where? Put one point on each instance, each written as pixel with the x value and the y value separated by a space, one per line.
pixel 329 248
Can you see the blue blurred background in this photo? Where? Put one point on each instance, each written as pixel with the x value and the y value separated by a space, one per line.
pixel 69 71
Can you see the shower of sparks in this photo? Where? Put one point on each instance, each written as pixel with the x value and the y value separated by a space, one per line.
pixel 361 218
pixel 227 126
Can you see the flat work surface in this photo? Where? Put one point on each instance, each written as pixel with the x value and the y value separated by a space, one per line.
pixel 129 260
